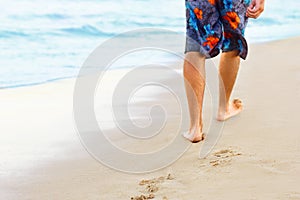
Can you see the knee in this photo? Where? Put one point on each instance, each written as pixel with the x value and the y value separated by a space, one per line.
pixel 188 69
pixel 191 71
pixel 194 56
pixel 194 62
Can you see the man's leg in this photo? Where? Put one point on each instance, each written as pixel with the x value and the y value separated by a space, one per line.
pixel 229 66
pixel 194 74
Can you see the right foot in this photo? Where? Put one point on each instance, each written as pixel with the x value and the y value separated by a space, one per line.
pixel 234 108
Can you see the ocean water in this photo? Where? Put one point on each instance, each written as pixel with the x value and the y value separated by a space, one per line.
pixel 43 41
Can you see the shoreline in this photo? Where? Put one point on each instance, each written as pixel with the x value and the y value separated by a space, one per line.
pixel 49 81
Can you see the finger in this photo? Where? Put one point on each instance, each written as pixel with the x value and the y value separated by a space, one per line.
pixel 251 10
pixel 251 6
pixel 248 14
pixel 255 11
pixel 258 12
pixel 251 14
pixel 256 15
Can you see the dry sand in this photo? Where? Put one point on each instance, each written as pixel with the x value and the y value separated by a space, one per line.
pixel 257 156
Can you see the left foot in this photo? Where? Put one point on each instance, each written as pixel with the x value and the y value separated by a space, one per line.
pixel 233 109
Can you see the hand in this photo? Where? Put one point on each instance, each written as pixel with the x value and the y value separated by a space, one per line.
pixel 255 8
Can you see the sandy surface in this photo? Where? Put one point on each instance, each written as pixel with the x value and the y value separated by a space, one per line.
pixel 257 156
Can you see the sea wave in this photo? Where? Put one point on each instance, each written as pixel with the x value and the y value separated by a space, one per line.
pixel 48 40
pixel 87 30
pixel 9 34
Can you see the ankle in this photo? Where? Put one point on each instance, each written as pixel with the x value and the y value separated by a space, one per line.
pixel 197 129
pixel 224 107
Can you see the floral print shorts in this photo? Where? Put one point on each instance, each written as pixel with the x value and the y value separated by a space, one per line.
pixel 212 25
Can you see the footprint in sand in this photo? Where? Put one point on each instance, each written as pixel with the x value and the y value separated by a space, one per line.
pixel 275 166
pixel 293 196
pixel 151 187
pixel 143 197
pixel 223 156
pixel 152 181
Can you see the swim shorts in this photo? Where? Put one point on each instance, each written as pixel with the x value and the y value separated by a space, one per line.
pixel 214 25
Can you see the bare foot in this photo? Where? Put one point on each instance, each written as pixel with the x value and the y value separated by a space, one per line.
pixel 234 108
pixel 194 137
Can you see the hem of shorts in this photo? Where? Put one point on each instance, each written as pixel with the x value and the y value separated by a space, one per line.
pixel 240 52
pixel 205 55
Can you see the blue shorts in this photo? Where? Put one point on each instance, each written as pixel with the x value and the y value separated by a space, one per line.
pixel 214 25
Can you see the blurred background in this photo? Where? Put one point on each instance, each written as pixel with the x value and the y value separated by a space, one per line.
pixel 43 41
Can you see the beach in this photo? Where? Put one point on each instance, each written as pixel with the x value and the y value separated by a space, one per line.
pixel 256 157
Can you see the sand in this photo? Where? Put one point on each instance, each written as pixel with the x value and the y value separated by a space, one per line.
pixel 256 157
